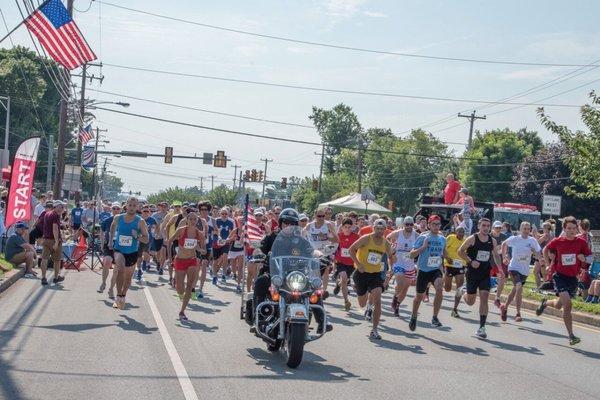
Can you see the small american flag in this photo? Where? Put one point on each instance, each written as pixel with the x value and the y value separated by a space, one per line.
pixel 86 134
pixel 59 35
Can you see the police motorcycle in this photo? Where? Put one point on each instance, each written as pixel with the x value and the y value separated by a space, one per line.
pixel 282 318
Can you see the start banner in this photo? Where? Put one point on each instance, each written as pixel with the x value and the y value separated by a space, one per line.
pixel 21 182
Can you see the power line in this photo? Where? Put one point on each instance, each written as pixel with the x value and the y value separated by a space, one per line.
pixel 340 47
pixel 318 89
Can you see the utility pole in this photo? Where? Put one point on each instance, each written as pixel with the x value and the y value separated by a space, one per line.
pixel 212 182
pixel 267 161
pixel 235 174
pixel 103 176
pixel 322 154
pixel 6 132
pixel 62 126
pixel 240 183
pixel 471 117
pixel 201 184
pixel 49 168
pixel 81 111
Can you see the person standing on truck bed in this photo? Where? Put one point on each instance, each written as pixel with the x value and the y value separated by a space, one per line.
pixel 451 190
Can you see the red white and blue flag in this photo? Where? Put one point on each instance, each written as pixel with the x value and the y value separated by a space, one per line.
pixel 86 134
pixel 59 35
pixel 253 231
pixel 88 158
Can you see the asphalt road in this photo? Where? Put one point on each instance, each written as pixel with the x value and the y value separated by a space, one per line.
pixel 66 342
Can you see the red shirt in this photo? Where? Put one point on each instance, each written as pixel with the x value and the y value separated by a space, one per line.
pixel 50 219
pixel 341 255
pixel 450 191
pixel 566 262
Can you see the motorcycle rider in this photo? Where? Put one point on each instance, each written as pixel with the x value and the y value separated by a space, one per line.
pixel 287 217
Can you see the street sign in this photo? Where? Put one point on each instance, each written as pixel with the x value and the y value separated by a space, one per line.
pixel 168 155
pixel 71 178
pixel 551 205
pixel 207 158
pixel 127 153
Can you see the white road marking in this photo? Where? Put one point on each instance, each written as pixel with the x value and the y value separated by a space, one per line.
pixel 182 375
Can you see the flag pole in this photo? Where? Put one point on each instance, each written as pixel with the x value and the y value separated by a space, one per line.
pixel 244 271
pixel 22 22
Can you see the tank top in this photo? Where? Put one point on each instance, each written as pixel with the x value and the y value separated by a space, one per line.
pixel 482 252
pixel 371 255
pixel 125 243
pixel 238 243
pixel 187 242
pixel 403 248
pixel 318 237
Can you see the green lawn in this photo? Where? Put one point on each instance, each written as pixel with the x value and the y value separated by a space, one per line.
pixel 5 264
pixel 578 303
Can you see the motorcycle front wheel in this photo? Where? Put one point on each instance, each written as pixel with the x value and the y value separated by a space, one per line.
pixel 295 344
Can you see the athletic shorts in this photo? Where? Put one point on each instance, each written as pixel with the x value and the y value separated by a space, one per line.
pixel 424 278
pixel 367 281
pixel 182 264
pixel 106 252
pixel 157 244
pixel 517 277
pixel 405 270
pixel 564 283
pixel 235 253
pixel 130 259
pixel 143 248
pixel 478 280
pixel 219 251
pixel 451 271
pixel 348 269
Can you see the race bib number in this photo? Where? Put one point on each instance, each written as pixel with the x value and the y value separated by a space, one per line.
pixel 457 263
pixel 434 262
pixel 406 255
pixel 221 242
pixel 483 256
pixel 568 259
pixel 238 244
pixel 523 258
pixel 345 252
pixel 125 241
pixel 374 258
pixel 190 243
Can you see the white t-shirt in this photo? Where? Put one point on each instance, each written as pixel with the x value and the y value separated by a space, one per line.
pixel 522 250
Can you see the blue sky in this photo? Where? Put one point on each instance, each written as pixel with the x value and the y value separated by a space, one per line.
pixel 548 32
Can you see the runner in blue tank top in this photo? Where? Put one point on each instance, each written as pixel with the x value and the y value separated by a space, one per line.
pixel 126 232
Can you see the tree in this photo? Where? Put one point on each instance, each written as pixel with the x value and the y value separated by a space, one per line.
pixel 189 194
pixel 584 150
pixel 495 148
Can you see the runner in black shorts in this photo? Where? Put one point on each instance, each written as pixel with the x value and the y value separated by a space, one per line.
pixel 478 251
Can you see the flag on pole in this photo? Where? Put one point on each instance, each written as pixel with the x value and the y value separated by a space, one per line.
pixel 88 157
pixel 21 182
pixel 253 231
pixel 59 35
pixel 86 134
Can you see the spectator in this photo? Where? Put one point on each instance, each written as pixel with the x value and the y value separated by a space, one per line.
pixel 452 189
pixel 89 214
pixel 18 251
pixel 76 214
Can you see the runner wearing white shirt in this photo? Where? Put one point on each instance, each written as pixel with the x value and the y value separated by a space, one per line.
pixel 523 247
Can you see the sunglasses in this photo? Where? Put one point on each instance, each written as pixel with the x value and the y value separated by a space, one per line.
pixel 320 216
pixel 408 224
pixel 145 211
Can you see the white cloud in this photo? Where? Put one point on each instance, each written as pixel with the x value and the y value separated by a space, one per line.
pixel 375 14
pixel 342 8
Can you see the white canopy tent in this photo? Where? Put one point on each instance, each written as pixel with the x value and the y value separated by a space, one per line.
pixel 353 202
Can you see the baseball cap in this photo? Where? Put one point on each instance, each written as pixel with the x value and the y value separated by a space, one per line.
pixel 497 224
pixel 408 220
pixel 302 217
pixel 185 204
pixel 434 217
pixel 380 222
pixel 421 218
pixel 49 204
pixel 115 205
pixel 21 224
pixel 176 203
pixel 58 203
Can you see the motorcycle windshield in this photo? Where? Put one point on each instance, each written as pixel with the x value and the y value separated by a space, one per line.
pixel 291 251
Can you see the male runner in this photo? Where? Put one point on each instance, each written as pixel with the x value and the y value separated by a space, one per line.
pixel 159 243
pixel 367 255
pixel 500 238
pixel 321 233
pixel 206 225
pixel 429 248
pixel 143 260
pixel 571 252
pixel 344 265
pixel 479 250
pixel 404 270
pixel 126 232
pixel 221 244
pixel 107 253
pixel 454 266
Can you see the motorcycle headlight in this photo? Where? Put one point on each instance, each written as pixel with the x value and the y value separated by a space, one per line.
pixel 296 281
pixel 316 282
pixel 277 281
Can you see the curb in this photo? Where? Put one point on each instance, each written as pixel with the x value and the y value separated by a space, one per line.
pixel 532 305
pixel 11 277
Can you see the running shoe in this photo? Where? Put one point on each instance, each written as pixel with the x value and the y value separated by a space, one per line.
pixel 455 314
pixel 223 279
pixel 116 304
pixel 497 303
pixel 518 318
pixel 238 289
pixel 369 313
pixel 199 295
pixel 182 317
pixel 412 325
pixel 101 288
pixel 347 305
pixel 111 293
pixel 436 322
pixel 375 335
pixel 160 271
pixel 395 306
pixel 481 333
pixel 540 310
pixel 573 340
pixel 426 298
pixel 337 289
pixel 503 313
pixel 215 280
pixel 44 281
pixel 122 303
pixel 139 275
pixel 59 279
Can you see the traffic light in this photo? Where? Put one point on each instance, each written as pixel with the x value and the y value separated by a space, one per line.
pixel 315 184
pixel 260 176
pixel 220 160
pixel 254 175
pixel 247 175
pixel 283 183
pixel 168 155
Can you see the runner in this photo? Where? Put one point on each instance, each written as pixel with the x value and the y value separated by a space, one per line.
pixel 206 225
pixel 429 248
pixel 500 238
pixel 479 251
pixel 143 261
pixel 404 270
pixel 159 243
pixel 367 253
pixel 522 248
pixel 571 253
pixel 52 245
pixel 344 266
pixel 126 232
pixel 454 267
pixel 254 267
pixel 190 239
pixel 539 267
pixel 236 253
pixel 221 243
pixel 179 214
pixel 107 253
pixel 321 233
pixel 468 209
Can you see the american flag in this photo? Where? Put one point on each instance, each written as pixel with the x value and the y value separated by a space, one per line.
pixel 59 35
pixel 88 158
pixel 253 231
pixel 86 134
